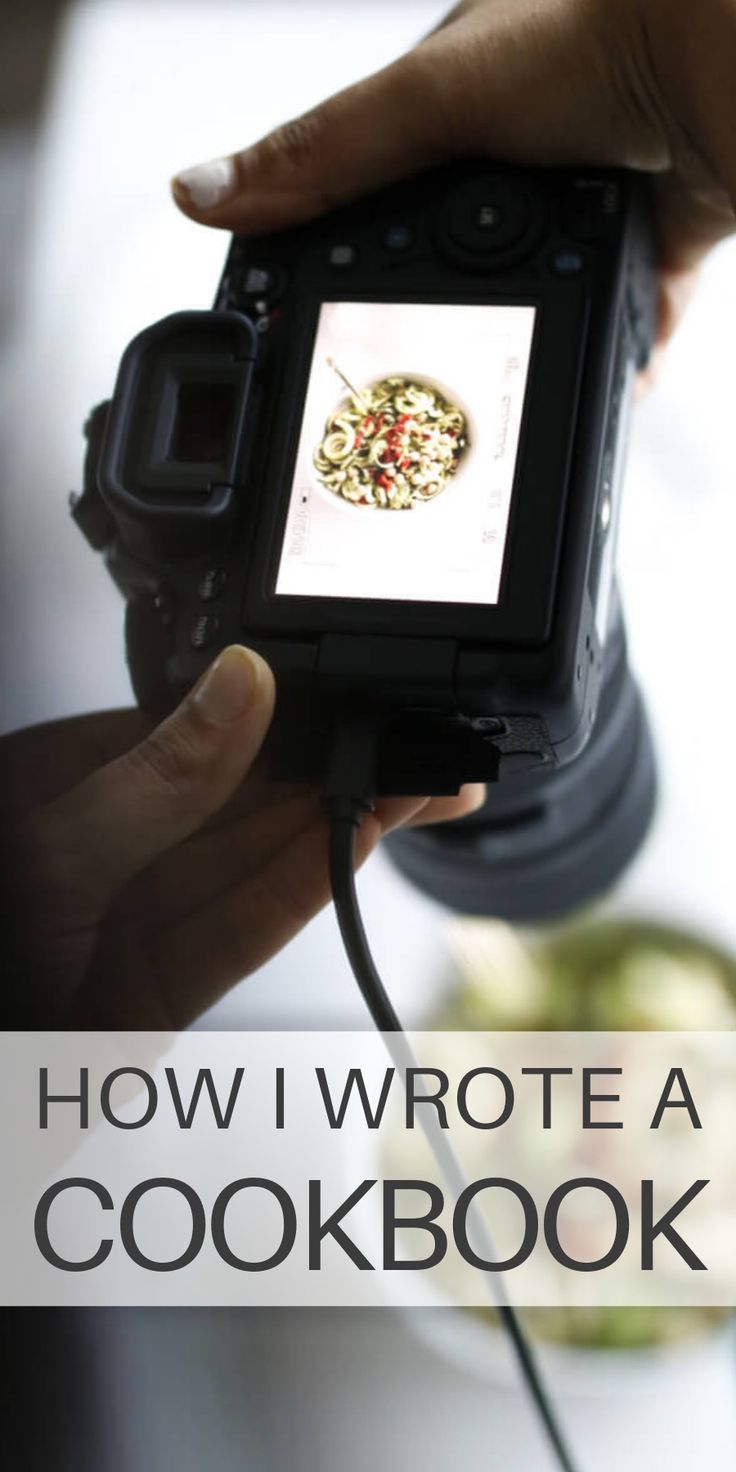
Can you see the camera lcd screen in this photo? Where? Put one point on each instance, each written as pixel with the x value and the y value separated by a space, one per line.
pixel 407 452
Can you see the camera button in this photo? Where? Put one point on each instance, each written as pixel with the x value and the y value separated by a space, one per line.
pixel 165 607
pixel 567 263
pixel 258 281
pixel 589 207
pixel 212 584
pixel 342 256
pixel 269 282
pixel 204 631
pixel 398 238
pixel 488 216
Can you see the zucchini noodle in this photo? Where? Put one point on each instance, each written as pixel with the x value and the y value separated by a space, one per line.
pixel 394 446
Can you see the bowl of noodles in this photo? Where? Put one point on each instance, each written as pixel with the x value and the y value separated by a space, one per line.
pixel 394 445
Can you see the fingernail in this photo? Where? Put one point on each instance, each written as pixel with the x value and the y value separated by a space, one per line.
pixel 206 184
pixel 226 689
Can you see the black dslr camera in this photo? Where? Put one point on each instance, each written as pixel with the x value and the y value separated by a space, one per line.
pixel 390 459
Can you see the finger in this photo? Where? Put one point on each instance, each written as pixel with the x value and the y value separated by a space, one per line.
pixel 194 961
pixel 40 762
pixel 218 857
pixel 123 816
pixel 188 966
pixel 470 798
pixel 450 18
pixel 676 289
pixel 214 859
pixel 261 791
pixel 379 129
pixel 412 812
pixel 512 84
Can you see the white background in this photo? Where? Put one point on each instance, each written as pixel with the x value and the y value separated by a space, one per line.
pixel 145 87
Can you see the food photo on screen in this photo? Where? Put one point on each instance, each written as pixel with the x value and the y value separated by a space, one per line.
pixel 411 408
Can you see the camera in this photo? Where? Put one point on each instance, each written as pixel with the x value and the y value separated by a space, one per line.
pixel 390 460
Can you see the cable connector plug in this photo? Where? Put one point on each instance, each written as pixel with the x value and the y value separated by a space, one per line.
pixel 350 773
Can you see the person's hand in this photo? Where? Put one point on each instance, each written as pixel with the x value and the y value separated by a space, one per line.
pixel 643 83
pixel 148 870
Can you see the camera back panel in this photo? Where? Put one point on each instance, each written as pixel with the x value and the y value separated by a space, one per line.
pixel 496 314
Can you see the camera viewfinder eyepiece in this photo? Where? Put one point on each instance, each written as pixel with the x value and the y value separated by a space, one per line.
pixel 176 432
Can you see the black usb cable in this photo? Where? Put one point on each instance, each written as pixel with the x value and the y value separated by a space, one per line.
pixel 350 770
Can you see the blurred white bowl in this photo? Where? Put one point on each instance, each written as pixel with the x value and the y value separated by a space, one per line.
pixel 667 1406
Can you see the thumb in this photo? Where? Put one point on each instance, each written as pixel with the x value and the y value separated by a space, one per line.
pixel 389 125
pixel 118 820
pixel 515 81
